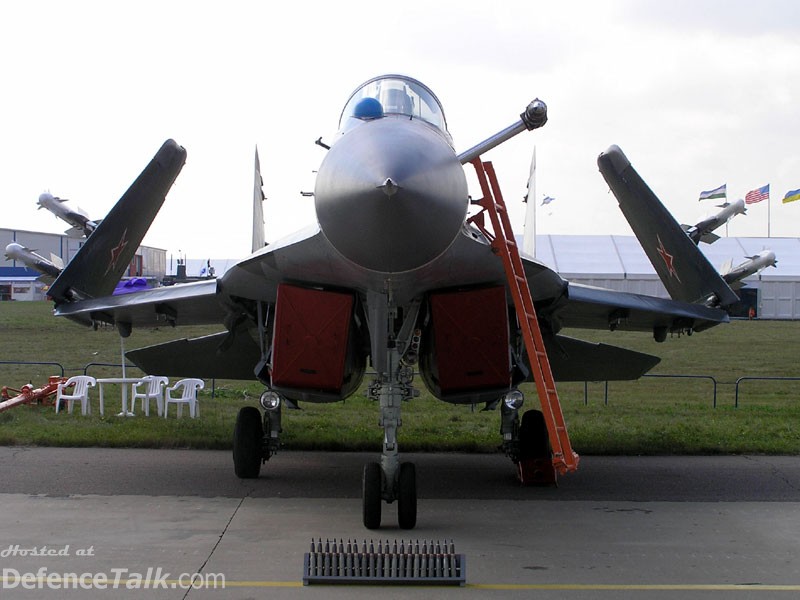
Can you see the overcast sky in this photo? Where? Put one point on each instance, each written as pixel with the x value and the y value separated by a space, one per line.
pixel 696 93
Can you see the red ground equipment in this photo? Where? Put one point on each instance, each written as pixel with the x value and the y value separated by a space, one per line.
pixel 27 394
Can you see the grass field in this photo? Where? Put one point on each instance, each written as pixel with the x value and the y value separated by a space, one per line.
pixel 650 416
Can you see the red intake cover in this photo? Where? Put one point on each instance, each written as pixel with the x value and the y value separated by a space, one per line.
pixel 309 346
pixel 471 337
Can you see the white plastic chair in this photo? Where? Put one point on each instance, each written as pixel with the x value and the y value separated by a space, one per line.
pixel 188 395
pixel 150 387
pixel 81 385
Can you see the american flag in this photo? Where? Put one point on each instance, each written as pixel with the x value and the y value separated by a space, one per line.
pixel 758 195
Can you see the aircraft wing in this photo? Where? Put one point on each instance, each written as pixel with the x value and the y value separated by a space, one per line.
pixel 200 302
pixel 194 303
pixel 596 308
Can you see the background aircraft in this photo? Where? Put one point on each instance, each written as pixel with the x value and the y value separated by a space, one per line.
pixel 393 274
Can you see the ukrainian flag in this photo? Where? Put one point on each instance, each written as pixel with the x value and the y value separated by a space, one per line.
pixel 791 196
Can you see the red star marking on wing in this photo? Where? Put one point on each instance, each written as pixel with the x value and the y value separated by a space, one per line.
pixel 116 251
pixel 669 260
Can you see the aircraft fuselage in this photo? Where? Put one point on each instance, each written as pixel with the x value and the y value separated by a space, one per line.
pixel 391 196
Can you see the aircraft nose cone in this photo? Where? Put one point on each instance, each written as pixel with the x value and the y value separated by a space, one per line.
pixel 389 187
pixel 391 195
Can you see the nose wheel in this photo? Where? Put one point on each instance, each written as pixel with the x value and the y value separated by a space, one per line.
pixel 407 496
pixel 372 495
pixel 405 490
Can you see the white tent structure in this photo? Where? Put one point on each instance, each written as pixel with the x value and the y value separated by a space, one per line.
pixel 618 262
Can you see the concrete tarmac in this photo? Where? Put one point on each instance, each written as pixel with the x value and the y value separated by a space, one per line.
pixel 142 522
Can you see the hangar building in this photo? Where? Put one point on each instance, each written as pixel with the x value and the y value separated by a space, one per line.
pixel 18 282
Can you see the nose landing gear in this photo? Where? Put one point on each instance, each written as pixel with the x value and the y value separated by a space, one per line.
pixel 390 480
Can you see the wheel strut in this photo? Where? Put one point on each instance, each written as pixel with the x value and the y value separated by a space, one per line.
pixel 390 479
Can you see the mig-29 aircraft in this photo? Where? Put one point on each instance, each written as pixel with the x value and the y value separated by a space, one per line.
pixel 394 275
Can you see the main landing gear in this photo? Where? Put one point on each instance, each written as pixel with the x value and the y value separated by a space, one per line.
pixel 527 442
pixel 256 438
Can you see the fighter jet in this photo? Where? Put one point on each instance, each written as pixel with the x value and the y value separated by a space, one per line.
pixel 50 269
pixel 82 225
pixel 395 274
pixel 703 231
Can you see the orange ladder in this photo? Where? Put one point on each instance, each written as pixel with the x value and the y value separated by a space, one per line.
pixel 504 244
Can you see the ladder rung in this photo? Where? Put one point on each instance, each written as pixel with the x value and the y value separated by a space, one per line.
pixel 526 312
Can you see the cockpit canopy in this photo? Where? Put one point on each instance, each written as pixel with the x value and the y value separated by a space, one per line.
pixel 395 95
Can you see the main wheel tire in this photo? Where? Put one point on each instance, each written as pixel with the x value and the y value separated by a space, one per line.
pixel 534 441
pixel 371 494
pixel 407 496
pixel 248 437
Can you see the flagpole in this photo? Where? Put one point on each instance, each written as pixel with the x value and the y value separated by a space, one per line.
pixel 529 235
pixel 769 211
pixel 534 203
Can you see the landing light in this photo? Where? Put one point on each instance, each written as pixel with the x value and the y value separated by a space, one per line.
pixel 514 399
pixel 270 400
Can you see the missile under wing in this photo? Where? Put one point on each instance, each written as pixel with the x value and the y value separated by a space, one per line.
pixel 82 225
pixel 391 274
pixel 50 269
pixel 754 264
pixel 703 231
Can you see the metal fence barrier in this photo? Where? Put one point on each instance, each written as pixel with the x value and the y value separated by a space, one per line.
pixel 713 380
pixel 709 377
pixel 117 365
pixel 665 376
pixel 585 383
pixel 748 378
pixel 24 362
